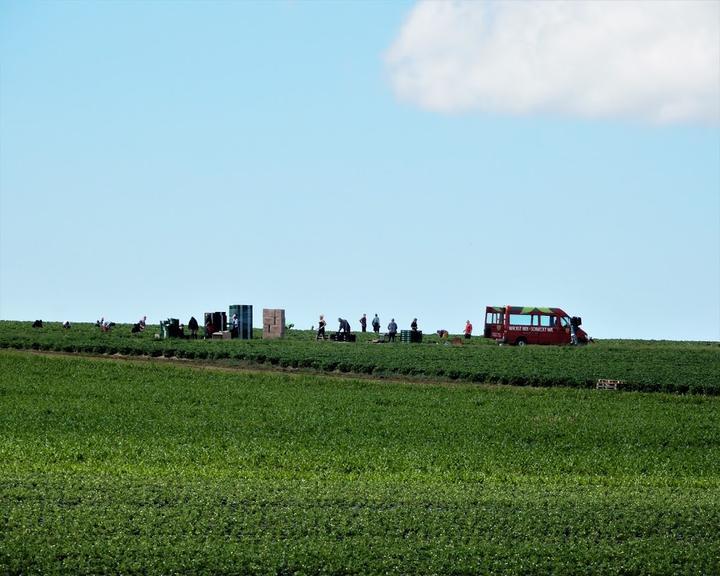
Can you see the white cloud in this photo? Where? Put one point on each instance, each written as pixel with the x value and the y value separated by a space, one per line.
pixel 658 61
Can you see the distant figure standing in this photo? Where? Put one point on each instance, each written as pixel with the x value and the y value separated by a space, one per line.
pixel 141 324
pixel 413 325
pixel 235 330
pixel 363 323
pixel 392 330
pixel 321 328
pixel 376 324
pixel 468 330
pixel 573 334
pixel 193 327
pixel 66 325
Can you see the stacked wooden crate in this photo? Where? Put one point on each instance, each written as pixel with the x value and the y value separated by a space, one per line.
pixel 273 322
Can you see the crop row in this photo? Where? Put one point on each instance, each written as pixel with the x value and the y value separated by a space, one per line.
pixel 128 468
pixel 644 366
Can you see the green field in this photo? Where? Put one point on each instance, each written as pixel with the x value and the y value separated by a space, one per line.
pixel 114 466
pixel 683 367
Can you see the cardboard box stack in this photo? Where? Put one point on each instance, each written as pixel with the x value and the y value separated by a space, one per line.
pixel 273 323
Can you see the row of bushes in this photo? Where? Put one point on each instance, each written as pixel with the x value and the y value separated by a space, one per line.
pixel 646 366
pixel 261 358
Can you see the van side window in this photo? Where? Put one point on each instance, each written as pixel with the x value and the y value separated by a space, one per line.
pixel 547 321
pixel 520 319
pixel 494 318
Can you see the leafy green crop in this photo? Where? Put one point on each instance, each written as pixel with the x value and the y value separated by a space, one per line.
pixel 647 366
pixel 149 467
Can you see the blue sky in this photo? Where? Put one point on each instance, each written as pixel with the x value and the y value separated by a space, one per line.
pixel 171 158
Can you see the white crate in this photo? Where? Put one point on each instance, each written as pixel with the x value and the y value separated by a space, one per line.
pixel 607 384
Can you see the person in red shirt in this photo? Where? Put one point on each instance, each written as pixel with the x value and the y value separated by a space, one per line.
pixel 468 329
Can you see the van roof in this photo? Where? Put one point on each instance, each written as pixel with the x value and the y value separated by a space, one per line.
pixel 526 310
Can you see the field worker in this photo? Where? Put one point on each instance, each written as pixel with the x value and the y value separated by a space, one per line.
pixel 392 330
pixel 468 330
pixel 321 328
pixel 193 326
pixel 413 325
pixel 363 322
pixel 344 326
pixel 235 332
pixel 376 324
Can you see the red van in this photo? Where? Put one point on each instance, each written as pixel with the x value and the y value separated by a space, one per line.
pixel 522 325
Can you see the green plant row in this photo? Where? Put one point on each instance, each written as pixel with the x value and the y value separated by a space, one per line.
pixel 679 367
pixel 111 467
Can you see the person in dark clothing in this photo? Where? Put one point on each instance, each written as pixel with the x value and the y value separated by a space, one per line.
pixel 363 322
pixel 344 326
pixel 413 325
pixel 321 328
pixel 376 324
pixel 193 327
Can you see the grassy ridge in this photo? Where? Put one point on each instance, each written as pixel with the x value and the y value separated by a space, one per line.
pixel 116 467
pixel 647 366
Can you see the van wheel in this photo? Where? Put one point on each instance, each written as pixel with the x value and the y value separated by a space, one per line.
pixel 520 342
